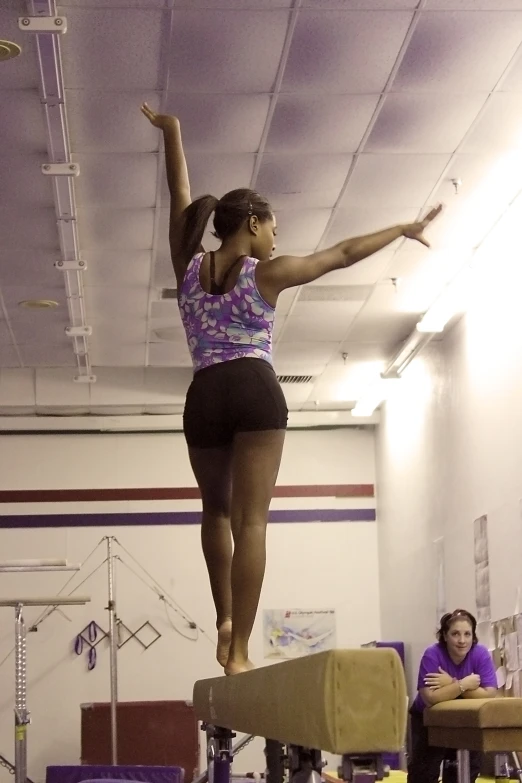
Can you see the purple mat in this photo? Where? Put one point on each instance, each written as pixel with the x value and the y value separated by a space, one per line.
pixel 114 774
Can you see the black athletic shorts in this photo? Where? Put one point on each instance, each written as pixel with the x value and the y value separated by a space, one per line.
pixel 239 395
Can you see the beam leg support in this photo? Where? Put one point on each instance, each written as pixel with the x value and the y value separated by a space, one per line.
pixel 219 753
pixel 361 769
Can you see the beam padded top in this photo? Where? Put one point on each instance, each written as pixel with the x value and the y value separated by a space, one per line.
pixel 499 713
pixel 341 701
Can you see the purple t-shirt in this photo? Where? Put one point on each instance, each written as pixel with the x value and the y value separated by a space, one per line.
pixel 477 661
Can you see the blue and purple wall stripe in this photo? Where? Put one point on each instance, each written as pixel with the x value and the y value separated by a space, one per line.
pixel 340 506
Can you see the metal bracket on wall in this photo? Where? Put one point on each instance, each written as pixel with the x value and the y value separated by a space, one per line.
pixel 134 634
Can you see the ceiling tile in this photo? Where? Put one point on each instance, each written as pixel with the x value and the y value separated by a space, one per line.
pixel 123 181
pixel 49 355
pixel 499 127
pixel 163 276
pixel 114 3
pixel 513 80
pixel 320 321
pixel 306 199
pixel 220 123
pixel 116 229
pixel 279 325
pixel 346 380
pixel 390 329
pixel 24 134
pixel 9 358
pixel 407 260
pixel 381 319
pixel 129 330
pixel 362 5
pixel 169 355
pixel 321 123
pixel 225 51
pixel 296 394
pixel 358 221
pixel 5 334
pixel 93 39
pixel 112 267
pixel 367 351
pixel 96 120
pixel 341 52
pixel 24 230
pixel 297 174
pixel 21 176
pixel 115 301
pixel 401 181
pixel 481 175
pixel 103 354
pixel 473 171
pixel 442 54
pixel 239 5
pixel 285 301
pixel 302 227
pixel 474 5
pixel 26 265
pixel 116 387
pixel 423 123
pixel 303 358
pixel 19 73
pixel 41 331
pixel 216 174
pixel 365 272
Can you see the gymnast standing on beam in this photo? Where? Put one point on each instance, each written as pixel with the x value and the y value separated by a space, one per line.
pixel 235 413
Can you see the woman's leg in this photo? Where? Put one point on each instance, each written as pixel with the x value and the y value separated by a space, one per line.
pixel 424 763
pixel 212 469
pixel 255 464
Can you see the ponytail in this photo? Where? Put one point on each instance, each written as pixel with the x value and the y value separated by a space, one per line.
pixel 197 216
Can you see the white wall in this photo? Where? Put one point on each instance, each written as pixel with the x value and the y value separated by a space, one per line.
pixel 449 449
pixel 309 565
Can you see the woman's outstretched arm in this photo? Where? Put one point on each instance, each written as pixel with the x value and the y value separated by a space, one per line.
pixel 177 179
pixel 288 271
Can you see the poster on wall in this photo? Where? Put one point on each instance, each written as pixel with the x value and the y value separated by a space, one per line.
pixel 482 590
pixel 293 633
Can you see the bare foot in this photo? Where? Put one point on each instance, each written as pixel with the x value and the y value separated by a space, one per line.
pixel 237 667
pixel 223 643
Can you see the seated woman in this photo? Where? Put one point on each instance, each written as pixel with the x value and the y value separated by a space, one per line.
pixel 456 667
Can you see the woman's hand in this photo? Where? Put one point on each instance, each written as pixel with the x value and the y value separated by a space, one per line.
pixel 437 680
pixel 161 121
pixel 416 230
pixel 471 682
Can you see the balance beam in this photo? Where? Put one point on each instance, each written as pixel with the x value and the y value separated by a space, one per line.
pixel 486 725
pixel 347 702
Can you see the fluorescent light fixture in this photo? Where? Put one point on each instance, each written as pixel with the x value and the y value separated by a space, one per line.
pixel 374 396
pixel 451 301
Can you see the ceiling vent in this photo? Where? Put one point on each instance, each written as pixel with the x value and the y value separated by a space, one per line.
pixel 8 50
pixel 295 379
pixel 168 293
pixel 335 293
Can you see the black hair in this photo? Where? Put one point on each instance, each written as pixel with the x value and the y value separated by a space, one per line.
pixel 231 210
pixel 447 620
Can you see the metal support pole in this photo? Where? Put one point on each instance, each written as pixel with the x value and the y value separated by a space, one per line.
pixel 463 772
pixel 21 713
pixel 113 642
